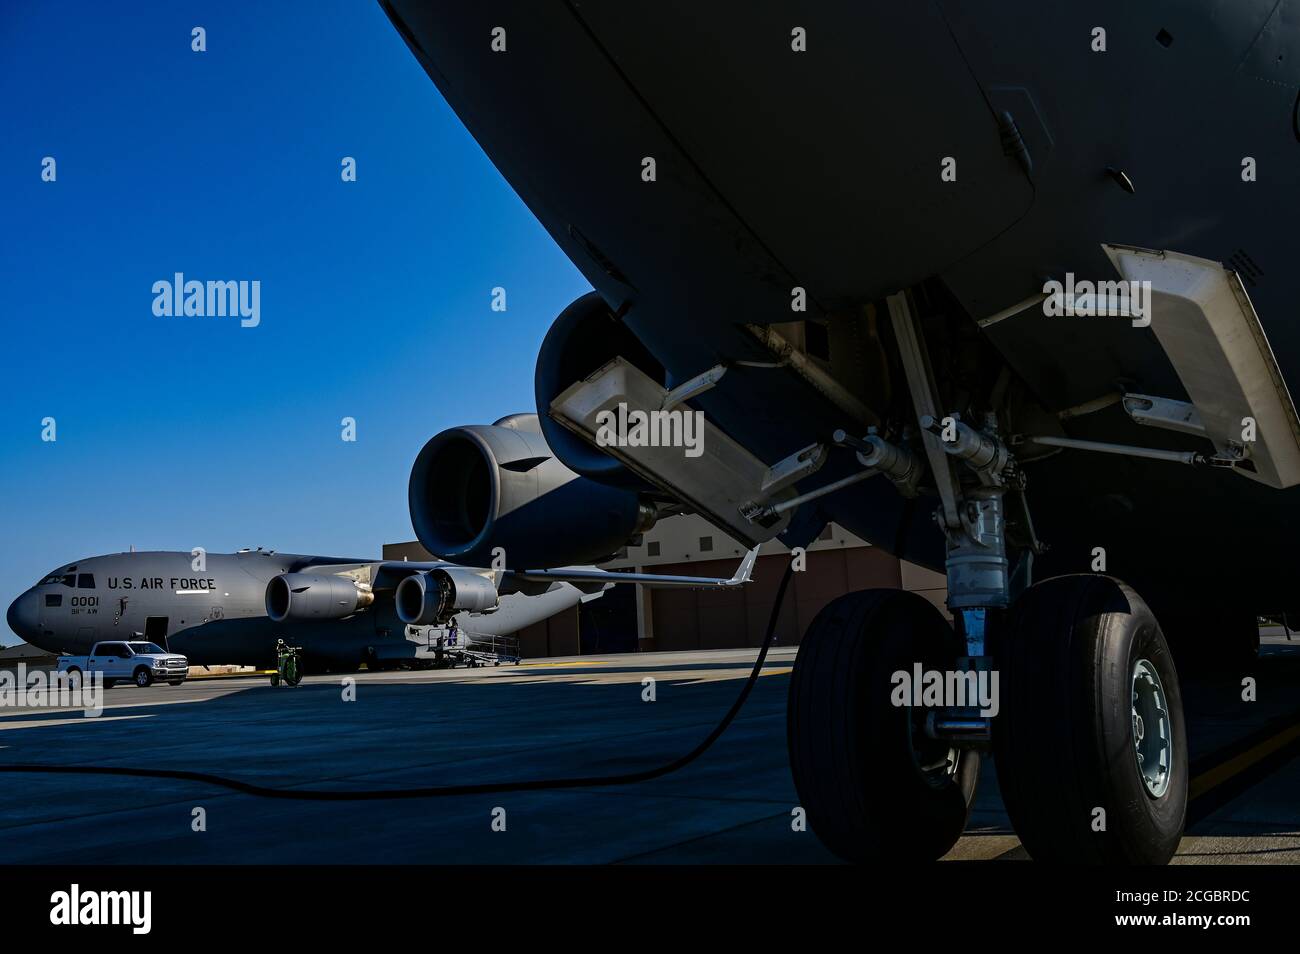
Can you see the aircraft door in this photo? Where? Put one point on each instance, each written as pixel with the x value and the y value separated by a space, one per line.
pixel 155 630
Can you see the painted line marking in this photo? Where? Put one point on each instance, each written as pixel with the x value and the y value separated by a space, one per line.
pixel 84 720
pixel 1212 778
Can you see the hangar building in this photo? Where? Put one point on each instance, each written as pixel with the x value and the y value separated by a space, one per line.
pixel 632 618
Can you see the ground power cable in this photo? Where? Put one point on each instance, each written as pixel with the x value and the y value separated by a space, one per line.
pixel 440 791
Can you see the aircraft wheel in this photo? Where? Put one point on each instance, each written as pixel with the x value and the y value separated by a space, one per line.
pixel 874 787
pixel 142 677
pixel 1091 719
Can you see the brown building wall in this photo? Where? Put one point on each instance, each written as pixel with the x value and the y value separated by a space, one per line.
pixel 557 636
pixel 721 619
pixel 684 619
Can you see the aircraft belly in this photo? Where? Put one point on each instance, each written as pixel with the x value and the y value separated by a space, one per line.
pixel 834 157
pixel 733 220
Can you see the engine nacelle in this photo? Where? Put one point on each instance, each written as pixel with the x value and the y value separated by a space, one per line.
pixel 435 596
pixel 312 596
pixel 584 338
pixel 474 489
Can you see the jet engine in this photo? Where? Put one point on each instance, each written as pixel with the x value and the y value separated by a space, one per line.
pixel 437 595
pixel 584 337
pixel 310 596
pixel 474 489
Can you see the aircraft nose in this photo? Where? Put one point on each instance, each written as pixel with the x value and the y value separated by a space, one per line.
pixel 22 617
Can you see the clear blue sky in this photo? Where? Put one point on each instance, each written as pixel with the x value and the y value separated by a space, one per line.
pixel 375 295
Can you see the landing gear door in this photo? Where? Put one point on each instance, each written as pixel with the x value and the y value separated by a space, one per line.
pixel 1208 328
pixel 702 467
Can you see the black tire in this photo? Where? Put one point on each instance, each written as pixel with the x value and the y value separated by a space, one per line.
pixel 275 679
pixel 142 677
pixel 852 753
pixel 1064 738
pixel 110 683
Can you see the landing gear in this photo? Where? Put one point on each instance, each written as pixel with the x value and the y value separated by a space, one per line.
pixel 1085 721
pixel 1090 745
pixel 873 784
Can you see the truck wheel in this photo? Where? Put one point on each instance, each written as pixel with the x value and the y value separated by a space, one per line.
pixel 874 787
pixel 110 683
pixel 143 677
pixel 1090 743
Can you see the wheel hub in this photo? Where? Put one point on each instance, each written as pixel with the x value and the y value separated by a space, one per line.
pixel 1152 729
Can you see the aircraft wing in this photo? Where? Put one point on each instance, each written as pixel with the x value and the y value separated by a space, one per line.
pixel 385 575
pixel 742 576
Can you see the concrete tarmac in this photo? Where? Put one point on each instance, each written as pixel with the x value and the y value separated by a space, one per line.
pixel 552 718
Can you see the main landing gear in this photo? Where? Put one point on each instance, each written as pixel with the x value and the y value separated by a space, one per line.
pixel 1090 744
pixel 875 786
pixel 1069 685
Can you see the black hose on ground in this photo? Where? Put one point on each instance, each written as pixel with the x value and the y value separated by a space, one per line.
pixel 438 791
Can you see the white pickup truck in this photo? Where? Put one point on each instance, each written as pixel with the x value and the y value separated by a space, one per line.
pixel 139 662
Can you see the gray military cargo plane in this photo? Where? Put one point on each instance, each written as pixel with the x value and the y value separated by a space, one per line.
pixel 877 246
pixel 342 612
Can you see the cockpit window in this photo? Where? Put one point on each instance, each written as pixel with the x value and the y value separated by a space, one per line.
pixel 85 581
pixel 66 579
pixel 53 599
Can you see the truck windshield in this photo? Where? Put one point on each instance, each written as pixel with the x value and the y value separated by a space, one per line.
pixel 145 648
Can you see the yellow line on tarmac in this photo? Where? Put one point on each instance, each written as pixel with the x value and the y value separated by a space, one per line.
pixel 1234 766
pixel 565 665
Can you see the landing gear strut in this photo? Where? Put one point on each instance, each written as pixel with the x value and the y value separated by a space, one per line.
pixel 1088 732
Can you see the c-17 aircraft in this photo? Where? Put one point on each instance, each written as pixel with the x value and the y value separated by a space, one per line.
pixel 878 246
pixel 341 612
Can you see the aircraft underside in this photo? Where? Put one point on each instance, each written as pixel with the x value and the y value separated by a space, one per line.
pixel 869 272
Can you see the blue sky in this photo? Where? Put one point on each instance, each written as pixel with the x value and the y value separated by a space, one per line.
pixel 176 432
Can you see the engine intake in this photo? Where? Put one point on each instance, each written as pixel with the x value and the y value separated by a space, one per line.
pixel 426 599
pixel 310 596
pixel 474 489
pixel 582 339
